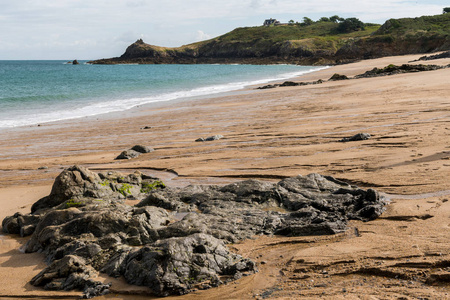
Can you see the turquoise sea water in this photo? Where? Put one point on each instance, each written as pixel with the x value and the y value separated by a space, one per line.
pixel 34 92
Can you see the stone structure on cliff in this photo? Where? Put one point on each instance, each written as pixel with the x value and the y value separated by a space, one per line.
pixel 271 21
pixel 174 239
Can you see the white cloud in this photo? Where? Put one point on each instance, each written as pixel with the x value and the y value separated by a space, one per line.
pixel 201 36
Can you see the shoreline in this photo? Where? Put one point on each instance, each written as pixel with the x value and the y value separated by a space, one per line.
pixel 160 98
pixel 407 116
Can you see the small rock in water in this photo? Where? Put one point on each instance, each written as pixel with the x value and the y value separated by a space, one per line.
pixel 356 137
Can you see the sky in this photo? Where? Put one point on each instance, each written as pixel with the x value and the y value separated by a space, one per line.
pixel 92 29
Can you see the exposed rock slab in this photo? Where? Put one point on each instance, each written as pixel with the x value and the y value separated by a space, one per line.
pixel 210 138
pixel 174 239
pixel 357 137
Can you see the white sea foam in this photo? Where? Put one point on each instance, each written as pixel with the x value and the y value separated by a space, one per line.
pixel 98 108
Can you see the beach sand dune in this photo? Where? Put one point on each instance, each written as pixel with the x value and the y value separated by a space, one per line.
pixel 268 135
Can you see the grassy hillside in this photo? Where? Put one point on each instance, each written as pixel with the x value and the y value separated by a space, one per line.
pixel 402 36
pixel 322 42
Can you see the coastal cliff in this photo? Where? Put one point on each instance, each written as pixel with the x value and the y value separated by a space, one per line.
pixel 315 44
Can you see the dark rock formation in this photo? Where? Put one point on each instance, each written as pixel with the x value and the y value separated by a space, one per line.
pixel 134 152
pixel 210 138
pixel 77 186
pixel 269 86
pixel 142 149
pixel 393 70
pixel 75 62
pixel 289 83
pixel 356 137
pixel 337 77
pixel 436 56
pixel 128 154
pixel 214 138
pixel 174 239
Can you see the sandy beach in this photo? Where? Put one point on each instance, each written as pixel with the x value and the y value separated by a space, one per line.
pixel 268 135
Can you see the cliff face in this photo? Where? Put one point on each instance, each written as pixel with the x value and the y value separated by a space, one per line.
pixel 316 44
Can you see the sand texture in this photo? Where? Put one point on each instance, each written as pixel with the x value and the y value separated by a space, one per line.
pixel 268 135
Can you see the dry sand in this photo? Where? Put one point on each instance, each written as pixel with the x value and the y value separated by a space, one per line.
pixel 271 134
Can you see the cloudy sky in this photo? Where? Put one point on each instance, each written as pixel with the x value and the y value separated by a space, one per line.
pixel 90 29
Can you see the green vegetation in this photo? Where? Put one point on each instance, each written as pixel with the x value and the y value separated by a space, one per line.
pixel 148 187
pixel 73 203
pixel 324 29
pixel 105 183
pixel 350 25
pixel 439 24
pixel 125 189
pixel 446 10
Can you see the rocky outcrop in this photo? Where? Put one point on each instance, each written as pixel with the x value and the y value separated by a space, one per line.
pixel 174 240
pixel 134 152
pixel 210 138
pixel 436 56
pixel 77 186
pixel 337 77
pixel 290 83
pixel 405 68
pixel 357 137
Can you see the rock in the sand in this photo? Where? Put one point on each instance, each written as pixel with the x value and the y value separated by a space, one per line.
pixel 174 240
pixel 69 273
pixel 436 56
pixel 134 152
pixel 210 138
pixel 269 86
pixel 142 149
pixel 77 185
pixel 337 77
pixel 393 70
pixel 356 137
pixel 175 265
pixel 214 138
pixel 128 154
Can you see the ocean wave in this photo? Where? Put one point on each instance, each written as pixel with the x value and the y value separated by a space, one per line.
pixel 117 105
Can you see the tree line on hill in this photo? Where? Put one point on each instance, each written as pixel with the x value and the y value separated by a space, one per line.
pixel 345 25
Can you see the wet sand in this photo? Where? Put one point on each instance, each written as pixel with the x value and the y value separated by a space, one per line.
pixel 272 134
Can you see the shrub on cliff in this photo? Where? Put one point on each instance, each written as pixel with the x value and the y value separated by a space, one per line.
pixel 349 25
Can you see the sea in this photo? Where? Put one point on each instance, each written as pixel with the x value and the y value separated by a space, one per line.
pixel 36 92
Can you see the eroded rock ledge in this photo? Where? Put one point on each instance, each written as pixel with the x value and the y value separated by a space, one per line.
pixel 174 239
